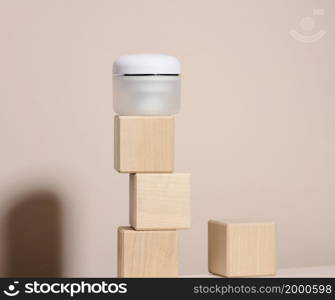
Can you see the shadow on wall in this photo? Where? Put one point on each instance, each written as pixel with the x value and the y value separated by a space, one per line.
pixel 33 235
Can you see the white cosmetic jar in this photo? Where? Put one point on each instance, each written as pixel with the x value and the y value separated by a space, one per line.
pixel 146 84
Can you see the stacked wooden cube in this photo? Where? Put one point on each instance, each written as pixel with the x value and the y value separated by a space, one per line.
pixel 159 199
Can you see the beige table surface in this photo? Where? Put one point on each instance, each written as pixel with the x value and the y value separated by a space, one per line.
pixel 320 271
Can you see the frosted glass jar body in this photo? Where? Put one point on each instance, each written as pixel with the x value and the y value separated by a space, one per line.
pixel 146 95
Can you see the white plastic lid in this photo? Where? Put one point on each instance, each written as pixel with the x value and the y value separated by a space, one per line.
pixel 146 64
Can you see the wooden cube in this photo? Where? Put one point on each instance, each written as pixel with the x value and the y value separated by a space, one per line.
pixel 160 201
pixel 144 144
pixel 147 253
pixel 242 249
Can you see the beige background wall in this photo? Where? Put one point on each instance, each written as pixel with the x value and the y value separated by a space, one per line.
pixel 256 128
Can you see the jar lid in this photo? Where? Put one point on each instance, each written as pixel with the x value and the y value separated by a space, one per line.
pixel 146 64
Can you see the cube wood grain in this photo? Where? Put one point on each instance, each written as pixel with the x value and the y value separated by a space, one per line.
pixel 144 144
pixel 242 249
pixel 147 253
pixel 160 201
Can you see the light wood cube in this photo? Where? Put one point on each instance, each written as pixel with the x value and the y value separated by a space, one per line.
pixel 144 144
pixel 147 253
pixel 160 201
pixel 242 249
